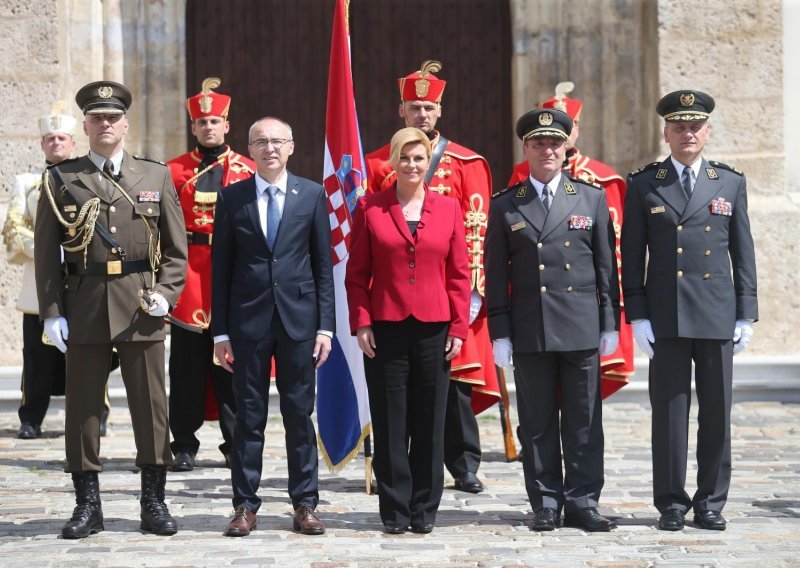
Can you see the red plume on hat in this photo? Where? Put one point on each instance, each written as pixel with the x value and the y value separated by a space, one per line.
pixel 423 85
pixel 563 103
pixel 207 102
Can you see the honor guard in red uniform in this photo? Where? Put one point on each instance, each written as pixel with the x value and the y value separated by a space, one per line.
pixel 617 367
pixel 460 173
pixel 198 176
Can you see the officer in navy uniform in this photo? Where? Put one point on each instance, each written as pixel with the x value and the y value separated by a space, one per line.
pixel 689 215
pixel 552 297
pixel 118 220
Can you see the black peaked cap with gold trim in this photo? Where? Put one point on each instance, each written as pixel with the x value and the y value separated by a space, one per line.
pixel 104 97
pixel 685 106
pixel 544 122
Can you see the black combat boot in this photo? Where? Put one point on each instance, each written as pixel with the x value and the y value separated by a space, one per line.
pixel 155 515
pixel 87 518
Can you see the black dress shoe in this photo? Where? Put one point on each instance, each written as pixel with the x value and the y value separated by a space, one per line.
pixel 589 519
pixel 469 482
pixel 28 431
pixel 671 520
pixel 390 528
pixel 184 461
pixel 422 528
pixel 545 519
pixel 710 520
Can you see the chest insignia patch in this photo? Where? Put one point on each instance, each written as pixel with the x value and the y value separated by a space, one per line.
pixel 149 196
pixel 721 207
pixel 518 226
pixel 659 209
pixel 580 222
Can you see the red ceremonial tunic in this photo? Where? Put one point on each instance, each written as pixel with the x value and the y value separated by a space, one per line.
pixel 463 175
pixel 194 304
pixel 617 367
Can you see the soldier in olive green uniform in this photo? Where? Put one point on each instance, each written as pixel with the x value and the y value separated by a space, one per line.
pixel 119 222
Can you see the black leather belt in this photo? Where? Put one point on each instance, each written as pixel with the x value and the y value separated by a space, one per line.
pixel 112 267
pixel 199 238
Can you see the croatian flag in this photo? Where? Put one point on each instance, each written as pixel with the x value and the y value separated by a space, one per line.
pixel 342 402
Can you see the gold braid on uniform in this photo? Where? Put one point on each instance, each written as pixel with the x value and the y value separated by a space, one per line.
pixel 474 223
pixel 82 229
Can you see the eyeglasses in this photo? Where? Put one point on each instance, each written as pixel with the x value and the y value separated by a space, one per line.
pixel 262 143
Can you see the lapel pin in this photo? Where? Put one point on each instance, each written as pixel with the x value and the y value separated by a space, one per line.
pixel 569 189
pixel 712 173
pixel 522 191
pixel 661 173
pixel 294 191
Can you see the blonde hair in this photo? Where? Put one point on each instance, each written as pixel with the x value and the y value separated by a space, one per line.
pixel 404 136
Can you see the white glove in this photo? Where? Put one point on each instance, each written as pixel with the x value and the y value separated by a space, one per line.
pixel 608 342
pixel 159 307
pixel 643 334
pixel 742 335
pixel 475 303
pixel 502 350
pixel 57 332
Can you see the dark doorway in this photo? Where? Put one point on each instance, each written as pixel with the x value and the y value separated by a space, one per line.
pixel 273 55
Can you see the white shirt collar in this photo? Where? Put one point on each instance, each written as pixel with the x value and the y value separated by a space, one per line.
pixel 680 167
pixel 262 184
pixel 100 161
pixel 552 184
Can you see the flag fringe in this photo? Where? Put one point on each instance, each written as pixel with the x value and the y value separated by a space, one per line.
pixel 336 468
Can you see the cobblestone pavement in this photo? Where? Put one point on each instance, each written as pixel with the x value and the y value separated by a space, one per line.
pixel 472 530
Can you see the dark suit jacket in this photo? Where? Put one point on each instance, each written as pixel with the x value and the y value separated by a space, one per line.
pixel 687 289
pixel 248 280
pixel 106 308
pixel 551 281
pixel 392 275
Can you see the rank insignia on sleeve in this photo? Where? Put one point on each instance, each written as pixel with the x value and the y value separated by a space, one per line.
pixel 712 173
pixel 569 189
pixel 522 191
pixel 149 196
pixel 518 226
pixel 661 173
pixel 580 222
pixel 721 207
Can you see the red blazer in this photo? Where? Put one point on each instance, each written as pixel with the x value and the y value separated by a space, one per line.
pixel 392 275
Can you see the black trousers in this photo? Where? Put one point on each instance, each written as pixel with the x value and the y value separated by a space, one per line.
pixel 43 372
pixel 571 378
pixel 407 382
pixel 190 364
pixel 670 399
pixel 462 441
pixel 295 379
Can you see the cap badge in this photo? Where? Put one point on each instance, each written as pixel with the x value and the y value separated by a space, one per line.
pixel 687 99
pixel 105 92
pixel 421 87
pixel 55 122
pixel 545 119
pixel 205 103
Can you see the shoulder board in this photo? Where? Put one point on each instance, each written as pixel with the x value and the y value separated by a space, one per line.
pixel 62 162
pixel 510 188
pixel 725 167
pixel 644 168
pixel 585 182
pixel 148 159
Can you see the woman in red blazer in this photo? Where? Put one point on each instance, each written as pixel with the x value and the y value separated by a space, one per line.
pixel 408 289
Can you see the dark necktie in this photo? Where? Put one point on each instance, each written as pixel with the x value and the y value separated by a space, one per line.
pixel 273 216
pixel 687 180
pixel 546 197
pixel 109 186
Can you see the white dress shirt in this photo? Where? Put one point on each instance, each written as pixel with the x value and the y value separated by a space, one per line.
pixel 552 184
pixel 100 161
pixel 262 196
pixel 680 167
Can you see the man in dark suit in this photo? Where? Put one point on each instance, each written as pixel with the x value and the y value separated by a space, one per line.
pixel 553 299
pixel 118 220
pixel 689 216
pixel 272 295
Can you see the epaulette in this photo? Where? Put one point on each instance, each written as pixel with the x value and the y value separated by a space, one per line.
pixel 585 182
pixel 506 190
pixel 68 160
pixel 725 167
pixel 644 168
pixel 148 159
